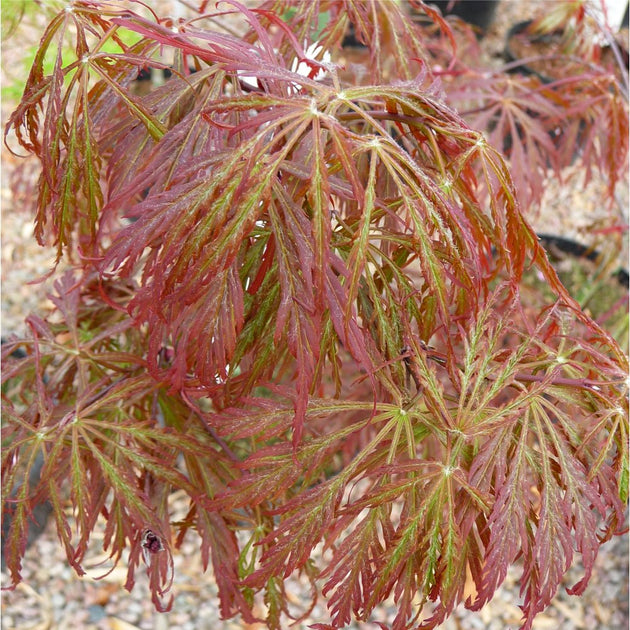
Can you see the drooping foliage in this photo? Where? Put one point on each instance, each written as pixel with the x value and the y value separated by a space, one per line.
pixel 299 299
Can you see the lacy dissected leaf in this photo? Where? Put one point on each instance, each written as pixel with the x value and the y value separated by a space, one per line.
pixel 530 458
pixel 313 508
pixel 188 137
pixel 537 465
pixel 280 466
pixel 524 120
pixel 595 97
pixel 111 442
pixel 417 551
pixel 297 304
pixel 225 209
pixel 58 118
pixel 394 44
pixel 547 126
pixel 356 566
pixel 549 547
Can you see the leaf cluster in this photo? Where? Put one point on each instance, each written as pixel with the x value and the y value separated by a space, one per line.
pixel 299 299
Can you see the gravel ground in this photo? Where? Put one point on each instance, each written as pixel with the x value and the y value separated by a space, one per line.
pixel 53 597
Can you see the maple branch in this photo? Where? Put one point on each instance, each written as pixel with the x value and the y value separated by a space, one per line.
pixel 215 436
pixel 583 383
pixel 440 359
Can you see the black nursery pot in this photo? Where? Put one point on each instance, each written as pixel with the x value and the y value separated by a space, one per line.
pixel 558 246
pixel 350 39
pixel 519 44
pixel 511 54
pixel 479 13
pixel 579 269
pixel 602 293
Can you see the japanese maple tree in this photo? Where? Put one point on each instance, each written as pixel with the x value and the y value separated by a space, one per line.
pixel 298 297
